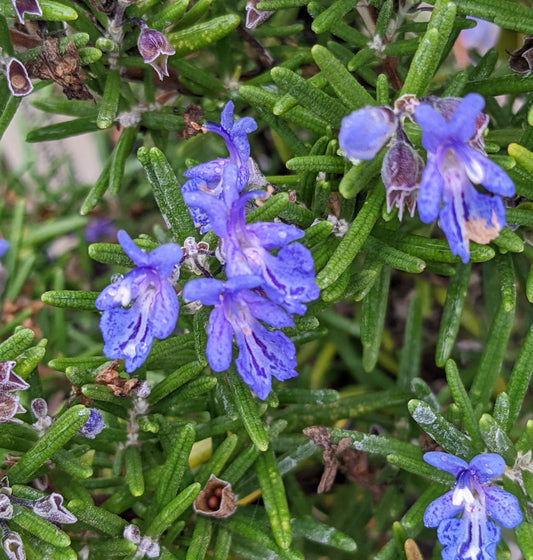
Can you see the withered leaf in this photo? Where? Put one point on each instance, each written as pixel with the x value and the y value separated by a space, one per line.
pixel 64 70
pixel 121 387
pixel 192 115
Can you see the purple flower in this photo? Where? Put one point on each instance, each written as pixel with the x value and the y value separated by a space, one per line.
pixel 288 277
pixel 17 78
pixel 94 425
pixel 207 177
pixel 142 305
pixel 365 131
pixel 471 536
pixel 99 228
pixel 401 173
pixel 22 7
pixel 51 508
pixel 10 382
pixel 155 49
pixel 237 314
pixel 453 166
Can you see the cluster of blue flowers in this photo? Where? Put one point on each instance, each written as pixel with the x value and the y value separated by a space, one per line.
pixel 260 288
pixel 472 536
pixel 452 135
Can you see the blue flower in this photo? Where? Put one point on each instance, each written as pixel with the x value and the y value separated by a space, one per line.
pixel 454 164
pixel 4 246
pixel 472 536
pixel 364 132
pixel 142 305
pixel 94 425
pixel 288 277
pixel 207 177
pixel 238 314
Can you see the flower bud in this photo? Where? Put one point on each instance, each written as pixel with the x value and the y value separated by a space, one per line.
pixel 155 48
pixel 39 408
pixel 94 425
pixel 17 78
pixel 364 132
pixel 401 173
pixel 132 534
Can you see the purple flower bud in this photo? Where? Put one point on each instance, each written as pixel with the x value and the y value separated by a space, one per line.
pixel 364 132
pixel 39 408
pixel 51 508
pixel 142 389
pixel 22 7
pixel 149 548
pixel 94 425
pixel 6 509
pixel 401 173
pixel 13 547
pixel 17 78
pixel 9 380
pixel 132 534
pixel 155 49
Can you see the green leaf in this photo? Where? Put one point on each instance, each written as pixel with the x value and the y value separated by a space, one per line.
pixel 326 164
pixel 331 15
pixel 496 439
pixel 373 319
pixel 71 299
pixel 308 95
pixel 170 513
pixel 62 430
pixel 274 498
pixel 167 192
pixel 61 130
pixel 104 522
pixel 442 431
pixel 201 536
pixel 430 49
pixel 245 404
pixel 16 344
pixel 314 531
pixel 134 470
pixel 39 527
pixel 201 35
pixel 109 105
pixel 353 240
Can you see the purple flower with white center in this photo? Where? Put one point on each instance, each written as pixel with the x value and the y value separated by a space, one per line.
pixel 401 173
pixel 22 7
pixel 238 314
pixel 472 536
pixel 453 166
pixel 142 305
pixel 207 177
pixel 365 131
pixel 18 81
pixel 94 425
pixel 155 49
pixel 288 277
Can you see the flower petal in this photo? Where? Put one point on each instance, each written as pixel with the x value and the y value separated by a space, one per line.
pixel 434 127
pixel 487 466
pixel 481 170
pixel 136 254
pixel 206 290
pixel 164 259
pixel 219 340
pixel 164 313
pixel 440 509
pixel 274 235
pixel 430 192
pixel 445 462
pixel 462 125
pixel 503 507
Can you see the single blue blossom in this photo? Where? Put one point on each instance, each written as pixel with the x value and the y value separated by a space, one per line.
pixel 453 167
pixel 207 177
pixel 288 277
pixel 4 246
pixel 238 314
pixel 365 131
pixel 140 306
pixel 472 536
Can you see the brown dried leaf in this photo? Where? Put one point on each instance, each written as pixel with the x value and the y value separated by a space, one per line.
pixel 64 70
pixel 121 387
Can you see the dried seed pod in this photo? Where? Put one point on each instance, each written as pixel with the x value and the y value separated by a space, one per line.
pixel 216 499
pixel 521 59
